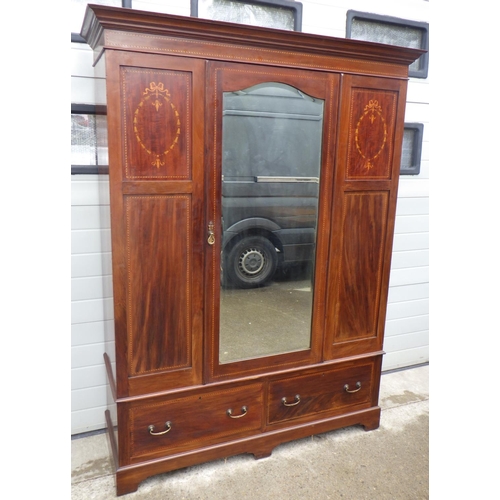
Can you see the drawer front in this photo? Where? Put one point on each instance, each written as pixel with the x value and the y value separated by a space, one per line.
pixel 327 391
pixel 194 421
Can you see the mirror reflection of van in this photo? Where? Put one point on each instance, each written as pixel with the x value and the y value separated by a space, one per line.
pixel 271 162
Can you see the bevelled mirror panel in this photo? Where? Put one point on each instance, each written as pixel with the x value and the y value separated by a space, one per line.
pixel 271 157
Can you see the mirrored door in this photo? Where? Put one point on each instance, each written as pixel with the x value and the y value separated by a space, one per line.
pixel 266 205
pixel 271 160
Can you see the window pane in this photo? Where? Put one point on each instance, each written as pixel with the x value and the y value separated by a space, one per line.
pixel 251 14
pixel 408 145
pixel 390 34
pixel 83 139
pixel 179 8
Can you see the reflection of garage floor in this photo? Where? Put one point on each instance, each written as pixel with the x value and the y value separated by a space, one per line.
pixel 265 321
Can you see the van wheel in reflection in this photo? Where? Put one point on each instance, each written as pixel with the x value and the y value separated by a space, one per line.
pixel 251 262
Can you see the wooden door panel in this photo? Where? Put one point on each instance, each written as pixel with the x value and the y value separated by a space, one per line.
pixel 159 273
pixel 371 133
pixel 157 123
pixel 230 77
pixel 157 197
pixel 364 206
pixel 363 239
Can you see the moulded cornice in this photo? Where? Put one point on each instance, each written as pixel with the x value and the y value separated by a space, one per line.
pixel 99 18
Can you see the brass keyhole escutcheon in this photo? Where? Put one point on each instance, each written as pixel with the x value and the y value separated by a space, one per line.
pixel 211 233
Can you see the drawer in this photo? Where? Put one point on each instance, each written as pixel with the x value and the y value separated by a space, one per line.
pixel 194 421
pixel 326 391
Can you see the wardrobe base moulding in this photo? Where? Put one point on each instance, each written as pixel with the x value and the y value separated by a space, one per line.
pixel 129 477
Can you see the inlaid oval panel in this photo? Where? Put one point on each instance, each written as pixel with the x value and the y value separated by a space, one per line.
pixel 156 108
pixel 371 132
pixel 157 123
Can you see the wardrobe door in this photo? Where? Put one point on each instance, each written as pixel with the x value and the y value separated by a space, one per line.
pixel 369 155
pixel 270 143
pixel 156 185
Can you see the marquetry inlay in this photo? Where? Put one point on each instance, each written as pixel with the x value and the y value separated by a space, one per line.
pixel 156 107
pixel 372 113
pixel 371 132
pixel 158 96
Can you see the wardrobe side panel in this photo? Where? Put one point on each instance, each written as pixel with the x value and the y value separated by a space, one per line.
pixel 365 191
pixel 156 182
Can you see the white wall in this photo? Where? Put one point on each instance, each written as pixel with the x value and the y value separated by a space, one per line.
pixel 407 328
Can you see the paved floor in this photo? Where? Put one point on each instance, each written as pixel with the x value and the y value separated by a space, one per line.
pixel 349 464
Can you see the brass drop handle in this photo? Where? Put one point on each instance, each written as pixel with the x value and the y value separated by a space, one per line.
pixel 244 411
pixel 296 401
pixel 358 387
pixel 168 426
pixel 211 233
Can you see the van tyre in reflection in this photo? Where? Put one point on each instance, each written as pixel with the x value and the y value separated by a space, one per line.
pixel 251 262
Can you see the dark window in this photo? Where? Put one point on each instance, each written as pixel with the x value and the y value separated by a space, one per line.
pixel 89 149
pixel 280 14
pixel 391 31
pixel 412 149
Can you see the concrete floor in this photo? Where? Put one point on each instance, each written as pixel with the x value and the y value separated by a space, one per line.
pixel 390 462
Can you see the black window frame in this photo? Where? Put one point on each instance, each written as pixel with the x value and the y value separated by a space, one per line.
pixel 416 154
pixel 296 7
pixel 88 109
pixel 377 18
